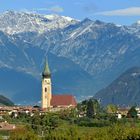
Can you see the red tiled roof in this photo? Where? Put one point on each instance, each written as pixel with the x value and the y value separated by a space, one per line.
pixel 63 100
pixel 6 126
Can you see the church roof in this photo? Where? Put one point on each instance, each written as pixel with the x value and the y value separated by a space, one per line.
pixel 46 71
pixel 63 100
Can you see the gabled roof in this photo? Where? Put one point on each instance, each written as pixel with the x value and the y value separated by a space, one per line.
pixel 63 100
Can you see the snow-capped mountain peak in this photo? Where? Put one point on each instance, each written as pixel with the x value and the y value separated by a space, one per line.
pixel 138 22
pixel 55 17
pixel 13 22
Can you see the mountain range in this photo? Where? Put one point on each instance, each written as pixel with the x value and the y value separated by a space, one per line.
pixel 84 56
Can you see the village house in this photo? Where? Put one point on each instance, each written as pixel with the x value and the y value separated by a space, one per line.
pixel 6 126
pixel 122 112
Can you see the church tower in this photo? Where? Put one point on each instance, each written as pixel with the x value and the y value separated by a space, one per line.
pixel 46 87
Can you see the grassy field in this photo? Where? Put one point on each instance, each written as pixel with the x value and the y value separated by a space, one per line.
pixel 121 130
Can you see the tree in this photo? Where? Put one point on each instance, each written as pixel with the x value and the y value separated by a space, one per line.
pixel 96 106
pixel 36 122
pixel 111 108
pixel 132 112
pixel 90 108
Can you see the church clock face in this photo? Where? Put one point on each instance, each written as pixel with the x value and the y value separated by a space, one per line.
pixel 45 81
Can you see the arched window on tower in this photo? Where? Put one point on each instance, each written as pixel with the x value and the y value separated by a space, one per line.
pixel 45 89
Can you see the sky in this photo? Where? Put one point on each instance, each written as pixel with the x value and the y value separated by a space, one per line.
pixel 124 12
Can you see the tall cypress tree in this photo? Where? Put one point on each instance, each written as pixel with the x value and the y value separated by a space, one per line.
pixel 132 112
pixel 90 109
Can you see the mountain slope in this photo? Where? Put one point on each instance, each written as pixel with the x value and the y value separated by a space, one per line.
pixel 5 101
pixel 123 91
pixel 67 78
pixel 97 47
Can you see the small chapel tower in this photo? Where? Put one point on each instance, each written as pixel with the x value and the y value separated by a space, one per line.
pixel 46 87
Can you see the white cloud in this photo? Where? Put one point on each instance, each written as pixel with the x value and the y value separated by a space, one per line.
pixel 131 11
pixel 55 9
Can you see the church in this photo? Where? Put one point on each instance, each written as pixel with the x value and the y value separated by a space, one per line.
pixel 50 100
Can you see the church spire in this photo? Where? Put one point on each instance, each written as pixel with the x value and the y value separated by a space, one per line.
pixel 46 87
pixel 46 73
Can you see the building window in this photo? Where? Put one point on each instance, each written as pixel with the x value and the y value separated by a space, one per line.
pixel 45 89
